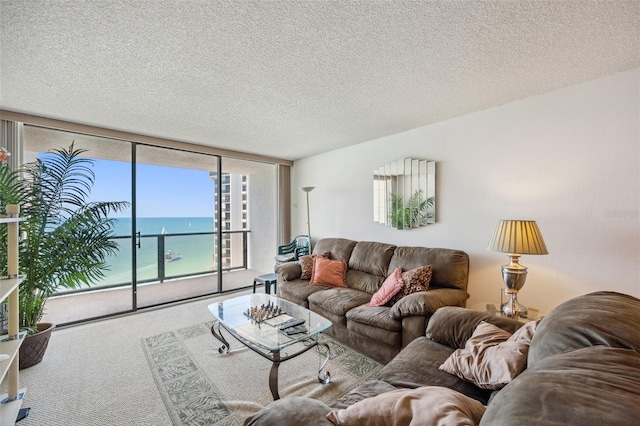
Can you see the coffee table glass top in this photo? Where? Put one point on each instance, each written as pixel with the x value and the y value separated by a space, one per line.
pixel 232 315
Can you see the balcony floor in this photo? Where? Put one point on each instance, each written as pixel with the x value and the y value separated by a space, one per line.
pixel 94 304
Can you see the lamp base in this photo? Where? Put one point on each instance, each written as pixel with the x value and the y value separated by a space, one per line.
pixel 512 308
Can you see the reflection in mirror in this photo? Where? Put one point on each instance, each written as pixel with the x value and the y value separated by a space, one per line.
pixel 404 193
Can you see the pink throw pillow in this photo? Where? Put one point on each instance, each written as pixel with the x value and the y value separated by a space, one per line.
pixel 415 280
pixel 328 272
pixel 390 287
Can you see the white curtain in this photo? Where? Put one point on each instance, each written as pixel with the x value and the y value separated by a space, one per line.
pixel 11 135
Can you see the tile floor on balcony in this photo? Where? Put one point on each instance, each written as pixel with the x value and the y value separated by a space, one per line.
pixel 93 304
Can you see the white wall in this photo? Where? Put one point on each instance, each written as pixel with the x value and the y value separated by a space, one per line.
pixel 569 159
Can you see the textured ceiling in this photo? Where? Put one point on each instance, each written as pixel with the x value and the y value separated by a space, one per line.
pixel 290 79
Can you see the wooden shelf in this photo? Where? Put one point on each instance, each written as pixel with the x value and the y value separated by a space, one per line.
pixel 9 347
pixel 6 219
pixel 9 409
pixel 7 285
pixel 9 368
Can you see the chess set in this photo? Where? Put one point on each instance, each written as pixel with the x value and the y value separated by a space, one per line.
pixel 274 316
pixel 264 312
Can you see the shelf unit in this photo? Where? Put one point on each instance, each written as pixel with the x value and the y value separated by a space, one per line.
pixel 11 401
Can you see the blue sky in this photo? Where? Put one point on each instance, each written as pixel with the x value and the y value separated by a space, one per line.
pixel 162 191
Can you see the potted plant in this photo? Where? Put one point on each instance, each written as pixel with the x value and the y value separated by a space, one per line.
pixel 65 238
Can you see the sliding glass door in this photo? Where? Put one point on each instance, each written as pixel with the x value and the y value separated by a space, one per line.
pixel 112 169
pixel 198 224
pixel 175 217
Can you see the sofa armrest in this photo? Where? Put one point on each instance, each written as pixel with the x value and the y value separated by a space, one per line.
pixel 289 271
pixel 452 326
pixel 427 302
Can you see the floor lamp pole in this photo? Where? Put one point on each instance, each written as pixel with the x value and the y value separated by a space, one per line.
pixel 308 189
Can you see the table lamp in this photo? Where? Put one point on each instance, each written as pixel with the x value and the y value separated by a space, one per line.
pixel 516 237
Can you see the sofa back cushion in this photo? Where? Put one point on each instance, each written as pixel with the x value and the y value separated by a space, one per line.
pixel 595 386
pixel 368 265
pixel 452 326
pixel 602 318
pixel 450 267
pixel 338 248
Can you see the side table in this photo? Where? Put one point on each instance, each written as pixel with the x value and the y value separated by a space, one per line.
pixel 267 280
pixel 494 309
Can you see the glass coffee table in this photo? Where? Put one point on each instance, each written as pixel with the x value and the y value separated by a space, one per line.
pixel 255 320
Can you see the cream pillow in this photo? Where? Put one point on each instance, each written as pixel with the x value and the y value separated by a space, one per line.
pixel 491 357
pixel 424 406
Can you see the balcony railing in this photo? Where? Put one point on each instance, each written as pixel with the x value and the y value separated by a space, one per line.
pixel 162 257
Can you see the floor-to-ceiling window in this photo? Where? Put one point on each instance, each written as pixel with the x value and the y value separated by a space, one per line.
pixel 199 224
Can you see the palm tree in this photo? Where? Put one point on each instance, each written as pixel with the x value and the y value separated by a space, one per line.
pixel 66 239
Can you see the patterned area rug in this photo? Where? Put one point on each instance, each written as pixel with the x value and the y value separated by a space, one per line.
pixel 201 387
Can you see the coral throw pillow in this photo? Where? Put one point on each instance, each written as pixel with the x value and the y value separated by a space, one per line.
pixel 329 272
pixel 492 357
pixel 390 287
pixel 424 406
pixel 306 264
pixel 415 280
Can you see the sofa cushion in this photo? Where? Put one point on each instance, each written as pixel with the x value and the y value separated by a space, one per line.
pixel 450 267
pixel 292 411
pixel 390 287
pixel 338 300
pixel 417 365
pixel 364 281
pixel 377 316
pixel 592 386
pixel 428 302
pixel 452 326
pixel 328 272
pixel 491 357
pixel 600 318
pixel 380 335
pixel 368 389
pixel 372 258
pixel 339 248
pixel 298 291
pixel 427 406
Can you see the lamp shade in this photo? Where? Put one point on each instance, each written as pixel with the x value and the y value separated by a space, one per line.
pixel 518 237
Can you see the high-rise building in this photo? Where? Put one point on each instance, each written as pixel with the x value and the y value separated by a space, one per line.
pixel 235 217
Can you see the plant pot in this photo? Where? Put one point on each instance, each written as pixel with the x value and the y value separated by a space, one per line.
pixel 34 345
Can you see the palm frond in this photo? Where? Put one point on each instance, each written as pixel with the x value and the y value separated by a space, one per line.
pixel 68 238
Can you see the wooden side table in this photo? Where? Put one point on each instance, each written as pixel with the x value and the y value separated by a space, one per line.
pixel 267 280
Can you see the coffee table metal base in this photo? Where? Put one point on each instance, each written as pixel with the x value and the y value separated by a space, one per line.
pixel 274 356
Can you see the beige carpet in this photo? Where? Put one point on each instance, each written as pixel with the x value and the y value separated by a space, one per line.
pixel 98 373
pixel 202 387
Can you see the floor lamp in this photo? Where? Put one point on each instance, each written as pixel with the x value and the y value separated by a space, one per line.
pixel 308 189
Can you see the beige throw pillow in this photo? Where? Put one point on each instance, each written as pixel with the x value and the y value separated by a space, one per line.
pixel 424 406
pixel 491 357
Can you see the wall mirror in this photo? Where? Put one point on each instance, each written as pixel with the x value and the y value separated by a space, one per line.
pixel 404 193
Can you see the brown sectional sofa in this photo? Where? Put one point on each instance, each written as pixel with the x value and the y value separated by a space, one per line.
pixel 380 332
pixel 583 369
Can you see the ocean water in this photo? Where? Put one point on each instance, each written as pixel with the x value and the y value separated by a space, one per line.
pixel 197 251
